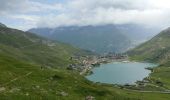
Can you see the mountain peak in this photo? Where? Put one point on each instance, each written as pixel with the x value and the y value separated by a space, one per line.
pixel 2 25
pixel 167 30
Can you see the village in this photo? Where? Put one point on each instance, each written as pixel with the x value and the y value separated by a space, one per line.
pixel 84 64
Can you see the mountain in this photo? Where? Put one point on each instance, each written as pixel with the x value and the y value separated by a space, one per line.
pixel 156 50
pixel 138 33
pixel 31 48
pixel 101 39
pixel 2 25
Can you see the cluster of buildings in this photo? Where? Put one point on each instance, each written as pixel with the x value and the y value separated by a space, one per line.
pixel 84 64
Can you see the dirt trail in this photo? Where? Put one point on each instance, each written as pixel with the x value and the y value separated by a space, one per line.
pixel 162 92
pixel 17 78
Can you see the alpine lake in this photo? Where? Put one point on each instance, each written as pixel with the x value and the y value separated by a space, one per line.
pixel 120 72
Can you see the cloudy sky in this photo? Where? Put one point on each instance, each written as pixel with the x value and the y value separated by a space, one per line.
pixel 25 14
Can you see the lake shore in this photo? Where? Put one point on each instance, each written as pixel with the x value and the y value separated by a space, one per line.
pixel 143 84
pixel 122 72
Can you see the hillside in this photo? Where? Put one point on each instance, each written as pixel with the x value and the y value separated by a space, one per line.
pixel 156 50
pixel 31 48
pixel 34 68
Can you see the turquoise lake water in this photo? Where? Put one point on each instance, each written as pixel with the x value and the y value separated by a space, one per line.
pixel 120 72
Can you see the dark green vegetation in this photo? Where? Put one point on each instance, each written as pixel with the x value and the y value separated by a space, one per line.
pixel 101 39
pixel 33 68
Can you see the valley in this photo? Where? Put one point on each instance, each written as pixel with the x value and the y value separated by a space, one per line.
pixel 84 50
pixel 33 67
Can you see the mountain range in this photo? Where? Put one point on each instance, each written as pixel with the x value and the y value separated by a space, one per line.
pixel 100 39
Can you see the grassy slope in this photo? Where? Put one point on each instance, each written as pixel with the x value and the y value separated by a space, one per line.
pixel 21 76
pixel 156 50
pixel 33 49
pixel 21 57
pixel 41 84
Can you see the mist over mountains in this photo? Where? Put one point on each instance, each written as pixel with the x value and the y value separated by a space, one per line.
pixel 100 39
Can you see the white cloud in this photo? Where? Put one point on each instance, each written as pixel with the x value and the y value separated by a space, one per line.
pixel 25 6
pixel 153 13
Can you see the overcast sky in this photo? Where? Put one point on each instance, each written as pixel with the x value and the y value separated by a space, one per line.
pixel 25 14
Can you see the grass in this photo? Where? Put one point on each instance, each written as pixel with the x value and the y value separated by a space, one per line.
pixel 46 83
pixel 49 83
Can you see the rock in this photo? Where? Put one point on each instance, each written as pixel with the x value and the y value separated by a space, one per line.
pixel 2 89
pixel 27 94
pixel 14 90
pixel 90 98
pixel 37 86
pixel 64 94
